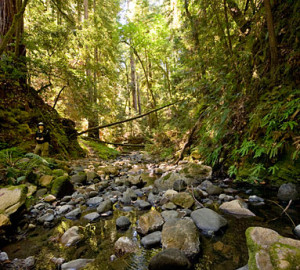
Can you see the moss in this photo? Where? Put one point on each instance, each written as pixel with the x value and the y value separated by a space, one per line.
pixel 252 248
pixel 102 150
pixel 61 186
pixel 292 255
pixel 58 172
pixel 166 177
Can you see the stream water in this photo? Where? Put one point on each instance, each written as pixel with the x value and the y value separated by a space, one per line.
pixel 224 251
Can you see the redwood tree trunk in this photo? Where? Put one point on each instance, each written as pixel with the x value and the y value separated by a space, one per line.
pixel 7 11
pixel 272 37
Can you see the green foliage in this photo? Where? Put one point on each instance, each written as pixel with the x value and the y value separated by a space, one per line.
pixel 101 149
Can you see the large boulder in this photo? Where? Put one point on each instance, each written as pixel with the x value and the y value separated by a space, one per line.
pixel 288 192
pixel 208 221
pixel 183 199
pixel 197 171
pixel 236 207
pixel 150 222
pixel 181 234
pixel 170 259
pixel 268 250
pixel 12 198
pixel 62 186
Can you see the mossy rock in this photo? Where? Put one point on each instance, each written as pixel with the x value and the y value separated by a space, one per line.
pixel 62 186
pixel 268 250
pixel 58 172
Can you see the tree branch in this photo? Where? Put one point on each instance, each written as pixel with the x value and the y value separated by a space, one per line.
pixel 57 97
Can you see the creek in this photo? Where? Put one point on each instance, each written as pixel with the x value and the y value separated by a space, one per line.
pixel 226 249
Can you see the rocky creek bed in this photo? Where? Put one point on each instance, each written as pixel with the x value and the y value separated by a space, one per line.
pixel 135 213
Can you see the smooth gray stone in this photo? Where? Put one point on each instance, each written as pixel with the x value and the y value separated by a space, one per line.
pixel 76 264
pixel 104 206
pixel 92 216
pixel 64 209
pixel 94 202
pixel 208 220
pixel 151 240
pixel 123 223
pixel 75 214
pixel 48 217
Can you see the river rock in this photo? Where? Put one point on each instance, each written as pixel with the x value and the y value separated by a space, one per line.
pixel 71 236
pixel 236 207
pixel 104 206
pixel 124 245
pixel 64 209
pixel 79 178
pixel 179 185
pixel 50 198
pixel 197 171
pixel 76 264
pixel 151 240
pixel 297 230
pixel 150 222
pixel 170 259
pixel 143 205
pixel 48 217
pixel 205 184
pixel 94 201
pixel 123 223
pixel 183 199
pixel 109 169
pixel 268 250
pixel 170 215
pixel 46 180
pixel 167 181
pixel 255 199
pixel 208 221
pixel 3 257
pixel 214 190
pixel 153 199
pixel 169 206
pixel 91 176
pixel 181 234
pixel 287 192
pixel 62 186
pixel 169 194
pixel 12 198
pixel 74 214
pixel 135 180
pixel 94 216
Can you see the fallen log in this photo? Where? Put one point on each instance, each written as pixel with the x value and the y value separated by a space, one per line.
pixel 126 120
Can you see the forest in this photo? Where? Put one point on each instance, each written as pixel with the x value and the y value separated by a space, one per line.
pixel 143 99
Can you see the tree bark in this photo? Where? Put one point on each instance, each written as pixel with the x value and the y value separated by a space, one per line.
pixel 138 91
pixel 133 81
pixel 272 36
pixel 9 22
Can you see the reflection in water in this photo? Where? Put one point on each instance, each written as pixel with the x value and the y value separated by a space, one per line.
pixel 225 251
